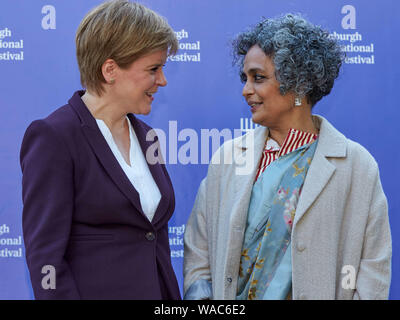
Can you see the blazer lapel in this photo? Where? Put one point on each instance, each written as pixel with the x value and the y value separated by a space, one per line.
pixel 103 152
pixel 156 169
pixel 331 144
pixel 248 150
pixel 318 176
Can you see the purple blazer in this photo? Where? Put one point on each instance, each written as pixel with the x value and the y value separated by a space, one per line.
pixel 83 216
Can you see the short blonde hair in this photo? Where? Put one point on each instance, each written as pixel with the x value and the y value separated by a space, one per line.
pixel 122 31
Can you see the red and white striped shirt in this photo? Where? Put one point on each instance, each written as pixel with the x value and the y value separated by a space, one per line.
pixel 294 140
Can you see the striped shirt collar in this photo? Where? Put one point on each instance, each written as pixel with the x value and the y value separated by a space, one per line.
pixel 294 140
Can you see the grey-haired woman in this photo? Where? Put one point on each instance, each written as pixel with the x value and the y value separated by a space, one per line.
pixel 310 219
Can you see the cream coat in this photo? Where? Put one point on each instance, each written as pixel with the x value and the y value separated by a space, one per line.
pixel 341 222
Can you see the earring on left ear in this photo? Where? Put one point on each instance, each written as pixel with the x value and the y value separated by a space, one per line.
pixel 297 101
pixel 111 81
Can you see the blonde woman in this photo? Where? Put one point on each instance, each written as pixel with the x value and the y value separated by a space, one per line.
pixel 94 209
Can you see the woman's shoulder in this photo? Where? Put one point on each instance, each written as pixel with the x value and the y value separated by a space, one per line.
pixel 61 119
pixel 359 155
pixel 336 144
pixel 55 132
pixel 43 139
pixel 238 154
pixel 250 140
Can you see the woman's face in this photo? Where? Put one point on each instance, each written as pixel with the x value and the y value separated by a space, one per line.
pixel 135 86
pixel 261 90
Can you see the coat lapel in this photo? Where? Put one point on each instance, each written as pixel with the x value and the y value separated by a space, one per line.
pixel 103 152
pixel 317 177
pixel 331 144
pixel 156 169
pixel 248 150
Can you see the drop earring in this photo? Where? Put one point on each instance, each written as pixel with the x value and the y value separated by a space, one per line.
pixel 297 101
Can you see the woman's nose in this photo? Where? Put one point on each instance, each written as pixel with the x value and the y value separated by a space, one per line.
pixel 162 80
pixel 247 89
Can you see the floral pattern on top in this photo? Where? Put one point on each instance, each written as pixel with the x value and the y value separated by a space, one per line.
pixel 271 215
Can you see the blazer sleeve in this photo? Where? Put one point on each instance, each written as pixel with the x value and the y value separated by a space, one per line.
pixel 196 266
pixel 48 202
pixel 374 274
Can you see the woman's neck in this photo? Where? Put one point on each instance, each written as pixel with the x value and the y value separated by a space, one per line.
pixel 301 121
pixel 101 107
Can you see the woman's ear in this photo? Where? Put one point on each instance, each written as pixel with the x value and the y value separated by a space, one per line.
pixel 109 70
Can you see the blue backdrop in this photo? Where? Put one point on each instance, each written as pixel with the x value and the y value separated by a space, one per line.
pixel 39 73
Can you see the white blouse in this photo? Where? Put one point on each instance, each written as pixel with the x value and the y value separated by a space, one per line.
pixel 138 172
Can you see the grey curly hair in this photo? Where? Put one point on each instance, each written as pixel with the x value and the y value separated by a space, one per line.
pixel 307 60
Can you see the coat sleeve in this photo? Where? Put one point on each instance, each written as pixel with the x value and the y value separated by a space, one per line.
pixel 48 202
pixel 196 266
pixel 374 274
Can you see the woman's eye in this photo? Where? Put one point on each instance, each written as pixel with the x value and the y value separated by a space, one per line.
pixel 157 68
pixel 258 77
pixel 243 77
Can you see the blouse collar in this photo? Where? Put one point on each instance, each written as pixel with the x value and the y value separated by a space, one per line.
pixel 294 140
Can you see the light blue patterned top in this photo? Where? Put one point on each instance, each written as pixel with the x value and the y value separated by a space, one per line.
pixel 266 267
